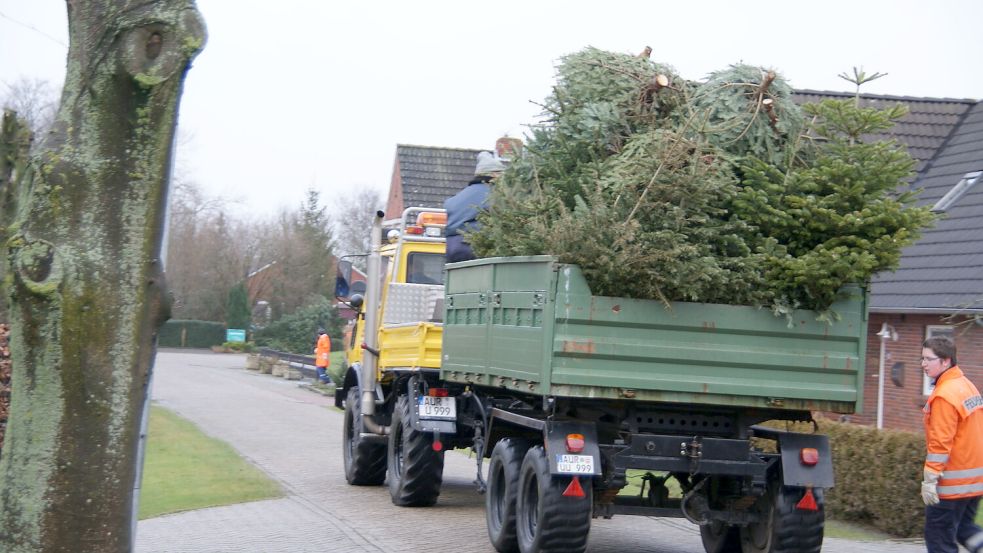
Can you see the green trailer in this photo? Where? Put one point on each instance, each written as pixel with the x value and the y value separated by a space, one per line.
pixel 531 325
pixel 576 393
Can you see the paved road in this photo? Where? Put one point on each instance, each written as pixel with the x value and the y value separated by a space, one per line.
pixel 294 435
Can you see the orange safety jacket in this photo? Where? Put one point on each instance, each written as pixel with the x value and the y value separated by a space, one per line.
pixel 322 352
pixel 954 435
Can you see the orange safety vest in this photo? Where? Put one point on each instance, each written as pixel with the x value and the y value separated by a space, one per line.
pixel 954 435
pixel 322 353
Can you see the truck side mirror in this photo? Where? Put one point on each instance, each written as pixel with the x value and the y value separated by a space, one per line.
pixel 341 287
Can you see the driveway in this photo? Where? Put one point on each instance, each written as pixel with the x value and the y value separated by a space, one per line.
pixel 294 435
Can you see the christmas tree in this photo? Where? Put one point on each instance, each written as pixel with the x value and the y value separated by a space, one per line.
pixel 719 191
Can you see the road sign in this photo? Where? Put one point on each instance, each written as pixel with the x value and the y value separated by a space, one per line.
pixel 235 335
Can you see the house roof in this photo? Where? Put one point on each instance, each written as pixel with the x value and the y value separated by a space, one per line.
pixel 943 271
pixel 430 175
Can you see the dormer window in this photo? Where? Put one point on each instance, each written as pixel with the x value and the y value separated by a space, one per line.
pixel 958 191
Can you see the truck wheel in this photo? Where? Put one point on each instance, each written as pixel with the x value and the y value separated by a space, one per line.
pixel 503 484
pixel 783 528
pixel 365 463
pixel 415 469
pixel 720 538
pixel 545 520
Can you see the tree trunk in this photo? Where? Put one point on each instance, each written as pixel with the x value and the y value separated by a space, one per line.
pixel 86 279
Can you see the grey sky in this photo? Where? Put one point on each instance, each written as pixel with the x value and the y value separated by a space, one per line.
pixel 299 93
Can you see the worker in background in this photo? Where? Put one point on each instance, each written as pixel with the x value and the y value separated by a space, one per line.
pixel 322 356
pixel 463 207
pixel 953 471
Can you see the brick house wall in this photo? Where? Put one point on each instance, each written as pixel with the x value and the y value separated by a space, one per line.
pixel 902 405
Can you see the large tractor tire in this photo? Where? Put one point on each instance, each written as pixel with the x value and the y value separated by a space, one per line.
pixel 503 488
pixel 545 520
pixel 783 528
pixel 365 462
pixel 415 469
pixel 720 538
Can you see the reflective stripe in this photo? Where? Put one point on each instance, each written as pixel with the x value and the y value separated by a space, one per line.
pixel 967 473
pixel 936 457
pixel 956 490
pixel 975 542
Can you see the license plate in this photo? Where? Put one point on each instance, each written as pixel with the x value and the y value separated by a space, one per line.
pixel 575 464
pixel 436 407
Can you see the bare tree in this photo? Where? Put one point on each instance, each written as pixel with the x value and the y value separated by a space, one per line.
pixel 207 251
pixel 34 101
pixel 296 251
pixel 353 223
pixel 86 278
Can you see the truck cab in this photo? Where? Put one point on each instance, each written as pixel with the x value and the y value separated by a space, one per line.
pixel 410 305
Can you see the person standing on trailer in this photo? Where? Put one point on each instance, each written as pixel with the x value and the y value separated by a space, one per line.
pixel 463 208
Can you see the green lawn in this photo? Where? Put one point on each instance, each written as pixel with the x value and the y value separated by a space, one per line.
pixel 184 469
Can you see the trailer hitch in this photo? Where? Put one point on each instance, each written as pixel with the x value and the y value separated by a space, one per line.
pixel 693 451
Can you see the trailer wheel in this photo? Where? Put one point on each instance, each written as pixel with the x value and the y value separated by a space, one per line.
pixel 546 521
pixel 415 469
pixel 503 484
pixel 720 538
pixel 365 462
pixel 783 528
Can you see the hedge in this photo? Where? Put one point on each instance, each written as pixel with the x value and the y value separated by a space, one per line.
pixel 878 476
pixel 178 333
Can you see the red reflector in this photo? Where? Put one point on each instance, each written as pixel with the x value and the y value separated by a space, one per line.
pixel 575 443
pixel 808 502
pixel 438 445
pixel 574 489
pixel 809 456
pixel 414 230
pixel 438 392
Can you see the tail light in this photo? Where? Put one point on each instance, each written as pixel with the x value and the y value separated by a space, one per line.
pixel 809 456
pixel 575 443
pixel 438 392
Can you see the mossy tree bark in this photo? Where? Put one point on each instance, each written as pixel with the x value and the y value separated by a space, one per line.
pixel 85 278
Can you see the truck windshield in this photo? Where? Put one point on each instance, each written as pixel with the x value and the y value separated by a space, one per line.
pixel 425 268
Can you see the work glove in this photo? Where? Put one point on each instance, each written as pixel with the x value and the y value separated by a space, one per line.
pixel 930 487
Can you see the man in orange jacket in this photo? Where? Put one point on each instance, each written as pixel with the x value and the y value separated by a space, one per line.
pixel 953 469
pixel 322 356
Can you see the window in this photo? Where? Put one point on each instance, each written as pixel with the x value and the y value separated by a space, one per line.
pixel 958 191
pixel 425 268
pixel 931 331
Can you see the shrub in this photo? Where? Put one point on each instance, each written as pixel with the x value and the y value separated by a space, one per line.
pixel 295 333
pixel 242 347
pixel 182 333
pixel 878 477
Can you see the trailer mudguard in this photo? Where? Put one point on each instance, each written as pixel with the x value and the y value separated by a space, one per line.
pixel 587 462
pixel 429 425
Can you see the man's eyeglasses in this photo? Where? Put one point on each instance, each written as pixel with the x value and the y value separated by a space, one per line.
pixel 929 359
